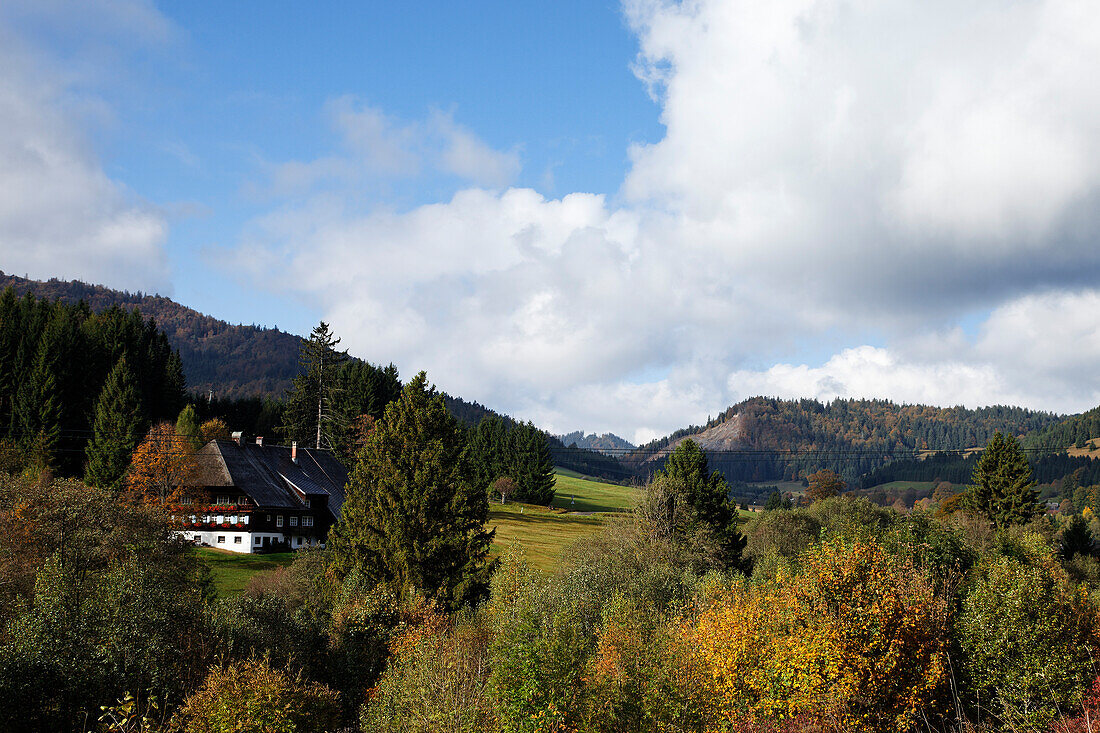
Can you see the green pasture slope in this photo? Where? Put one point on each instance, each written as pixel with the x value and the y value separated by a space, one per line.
pixel 579 509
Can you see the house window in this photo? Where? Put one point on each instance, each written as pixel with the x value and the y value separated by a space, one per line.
pixel 257 540
pixel 237 540
pixel 279 521
pixel 294 521
pixel 221 539
pixel 222 500
pixel 307 521
pixel 186 500
pixel 242 500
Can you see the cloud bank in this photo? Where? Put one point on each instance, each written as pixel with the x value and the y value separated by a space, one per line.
pixel 61 215
pixel 851 178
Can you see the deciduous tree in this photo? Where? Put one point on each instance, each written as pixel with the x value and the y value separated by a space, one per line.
pixel 162 465
pixel 824 484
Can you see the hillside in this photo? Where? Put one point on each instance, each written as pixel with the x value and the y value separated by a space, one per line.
pixel 1073 431
pixel 766 439
pixel 232 360
pixel 608 443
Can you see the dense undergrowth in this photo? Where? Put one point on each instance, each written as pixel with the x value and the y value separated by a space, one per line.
pixel 845 617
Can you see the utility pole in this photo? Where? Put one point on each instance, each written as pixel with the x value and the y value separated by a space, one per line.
pixel 320 395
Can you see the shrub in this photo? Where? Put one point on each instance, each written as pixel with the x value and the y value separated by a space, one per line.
pixel 1026 637
pixel 856 634
pixel 251 697
pixel 435 681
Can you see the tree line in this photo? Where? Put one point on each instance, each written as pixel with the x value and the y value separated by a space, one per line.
pixel 64 370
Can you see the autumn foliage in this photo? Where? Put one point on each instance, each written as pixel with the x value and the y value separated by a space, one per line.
pixel 853 634
pixel 161 465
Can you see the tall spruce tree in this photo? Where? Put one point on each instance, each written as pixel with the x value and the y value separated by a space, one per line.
pixel 1001 487
pixel 118 426
pixel 414 517
pixel 706 495
pixel 532 465
pixel 313 413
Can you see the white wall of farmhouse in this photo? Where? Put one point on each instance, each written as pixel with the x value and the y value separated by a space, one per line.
pixel 247 542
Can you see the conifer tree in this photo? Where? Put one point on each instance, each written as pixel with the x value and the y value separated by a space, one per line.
pixel 706 495
pixel 533 467
pixel 313 415
pixel 414 517
pixel 1001 487
pixel 119 423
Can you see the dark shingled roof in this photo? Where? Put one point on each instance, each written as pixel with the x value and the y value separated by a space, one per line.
pixel 269 477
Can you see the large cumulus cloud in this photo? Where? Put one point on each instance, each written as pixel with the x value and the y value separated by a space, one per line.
pixel 841 183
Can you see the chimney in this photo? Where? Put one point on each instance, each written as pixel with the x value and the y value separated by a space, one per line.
pixel 294 451
pixel 236 437
pixel 260 440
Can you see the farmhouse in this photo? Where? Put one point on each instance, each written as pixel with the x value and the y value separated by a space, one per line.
pixel 251 497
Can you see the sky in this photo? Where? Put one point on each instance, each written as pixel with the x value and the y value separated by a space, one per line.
pixel 593 215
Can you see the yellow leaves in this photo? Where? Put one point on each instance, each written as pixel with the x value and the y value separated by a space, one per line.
pixel 854 634
pixel 161 465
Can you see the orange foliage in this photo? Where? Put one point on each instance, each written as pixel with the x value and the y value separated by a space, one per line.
pixel 855 637
pixel 161 465
pixel 214 428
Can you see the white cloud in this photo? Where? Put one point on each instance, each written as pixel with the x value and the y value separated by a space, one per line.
pixel 374 146
pixel 830 169
pixel 61 215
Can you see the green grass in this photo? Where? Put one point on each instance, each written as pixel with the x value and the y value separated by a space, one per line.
pixel 580 507
pixel 232 570
pixel 540 533
pixel 577 494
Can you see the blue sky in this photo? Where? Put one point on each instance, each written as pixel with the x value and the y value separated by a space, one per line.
pixel 591 214
pixel 239 85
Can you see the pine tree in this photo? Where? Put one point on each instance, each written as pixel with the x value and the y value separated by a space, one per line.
pixel 707 496
pixel 1001 487
pixel 119 424
pixel 1076 538
pixel 533 466
pixel 313 413
pixel 414 517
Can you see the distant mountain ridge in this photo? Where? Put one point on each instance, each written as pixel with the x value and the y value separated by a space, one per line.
pixel 766 439
pixel 608 443
pixel 232 360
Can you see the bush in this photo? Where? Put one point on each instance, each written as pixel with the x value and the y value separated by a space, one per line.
pixel 435 681
pixel 855 636
pixel 1026 637
pixel 251 697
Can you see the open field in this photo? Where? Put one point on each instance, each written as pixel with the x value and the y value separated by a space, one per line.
pixel 231 570
pixel 541 533
pixel 578 494
pixel 1091 449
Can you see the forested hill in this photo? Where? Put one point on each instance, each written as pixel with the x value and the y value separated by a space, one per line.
pixel 1072 431
pixel 763 439
pixel 234 361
